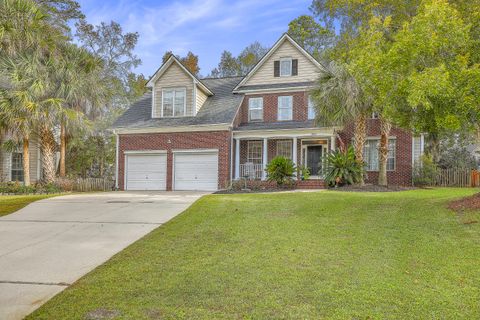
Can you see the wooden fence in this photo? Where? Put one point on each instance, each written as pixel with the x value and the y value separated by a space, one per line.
pixel 456 177
pixel 91 184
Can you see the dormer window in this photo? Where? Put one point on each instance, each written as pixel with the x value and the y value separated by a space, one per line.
pixel 174 102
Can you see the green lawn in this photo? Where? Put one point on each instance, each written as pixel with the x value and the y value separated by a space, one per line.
pixel 10 204
pixel 293 256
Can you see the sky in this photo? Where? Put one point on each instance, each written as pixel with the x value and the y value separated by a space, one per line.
pixel 205 27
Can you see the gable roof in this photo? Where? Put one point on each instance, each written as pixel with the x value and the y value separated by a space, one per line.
pixel 219 108
pixel 284 37
pixel 164 67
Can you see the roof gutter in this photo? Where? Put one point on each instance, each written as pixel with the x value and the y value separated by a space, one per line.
pixel 176 129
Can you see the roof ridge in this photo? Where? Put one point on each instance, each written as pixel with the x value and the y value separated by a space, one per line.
pixel 220 78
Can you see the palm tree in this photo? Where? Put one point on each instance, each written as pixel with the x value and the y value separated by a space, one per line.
pixel 77 79
pixel 26 36
pixel 27 106
pixel 385 127
pixel 338 100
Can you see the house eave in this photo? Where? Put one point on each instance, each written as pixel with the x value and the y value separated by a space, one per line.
pixel 175 129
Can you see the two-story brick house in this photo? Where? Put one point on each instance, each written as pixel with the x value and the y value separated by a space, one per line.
pixel 192 134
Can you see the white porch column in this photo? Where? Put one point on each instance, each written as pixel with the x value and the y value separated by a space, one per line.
pixel 333 142
pixel 265 158
pixel 237 159
pixel 294 153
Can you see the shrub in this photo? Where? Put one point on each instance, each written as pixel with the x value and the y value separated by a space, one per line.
pixel 303 172
pixel 18 188
pixel 342 168
pixel 281 170
pixel 424 172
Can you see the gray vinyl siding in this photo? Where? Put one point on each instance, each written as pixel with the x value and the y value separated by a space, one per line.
pixel 6 162
pixel 417 149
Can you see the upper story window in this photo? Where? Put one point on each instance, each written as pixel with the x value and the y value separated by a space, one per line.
pixel 174 102
pixel 311 109
pixel 371 154
pixel 285 108
pixel 255 109
pixel 285 67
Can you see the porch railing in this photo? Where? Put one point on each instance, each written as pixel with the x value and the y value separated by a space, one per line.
pixel 251 171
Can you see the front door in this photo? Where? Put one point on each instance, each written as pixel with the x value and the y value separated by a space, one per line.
pixel 314 160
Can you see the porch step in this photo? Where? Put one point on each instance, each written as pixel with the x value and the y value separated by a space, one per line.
pixel 311 184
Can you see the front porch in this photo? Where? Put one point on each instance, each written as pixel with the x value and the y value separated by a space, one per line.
pixel 254 150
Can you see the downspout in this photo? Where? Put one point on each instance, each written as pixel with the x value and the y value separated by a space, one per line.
pixel 117 139
pixel 231 156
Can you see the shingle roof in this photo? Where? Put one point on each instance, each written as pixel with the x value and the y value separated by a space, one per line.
pixel 277 86
pixel 219 108
pixel 277 125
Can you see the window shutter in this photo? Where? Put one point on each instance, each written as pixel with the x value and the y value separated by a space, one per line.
pixel 294 67
pixel 276 68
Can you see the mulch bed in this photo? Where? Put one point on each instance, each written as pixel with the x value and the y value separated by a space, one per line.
pixel 251 191
pixel 467 203
pixel 372 188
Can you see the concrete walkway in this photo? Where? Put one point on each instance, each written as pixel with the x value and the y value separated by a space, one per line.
pixel 51 243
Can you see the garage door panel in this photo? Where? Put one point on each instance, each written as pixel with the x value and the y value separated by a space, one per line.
pixel 142 175
pixel 146 172
pixel 196 171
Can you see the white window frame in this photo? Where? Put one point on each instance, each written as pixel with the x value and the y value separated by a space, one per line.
pixel 392 154
pixel 289 60
pixel 287 152
pixel 279 106
pixel 256 108
pixel 311 114
pixel 256 144
pixel 16 169
pixel 174 90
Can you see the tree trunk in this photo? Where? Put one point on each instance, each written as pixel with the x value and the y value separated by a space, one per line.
pixel 48 155
pixel 63 146
pixel 385 127
pixel 360 135
pixel 26 161
pixel 434 147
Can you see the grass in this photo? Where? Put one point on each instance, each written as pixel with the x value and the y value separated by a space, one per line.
pixel 10 204
pixel 319 255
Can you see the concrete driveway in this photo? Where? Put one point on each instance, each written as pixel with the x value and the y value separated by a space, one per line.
pixel 51 243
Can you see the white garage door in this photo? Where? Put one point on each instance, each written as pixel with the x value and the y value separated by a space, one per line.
pixel 196 171
pixel 146 172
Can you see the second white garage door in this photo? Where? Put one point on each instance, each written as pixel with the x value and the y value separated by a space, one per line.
pixel 196 171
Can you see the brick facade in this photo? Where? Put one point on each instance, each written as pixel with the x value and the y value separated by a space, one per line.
pixel 270 106
pixel 402 175
pixel 220 140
